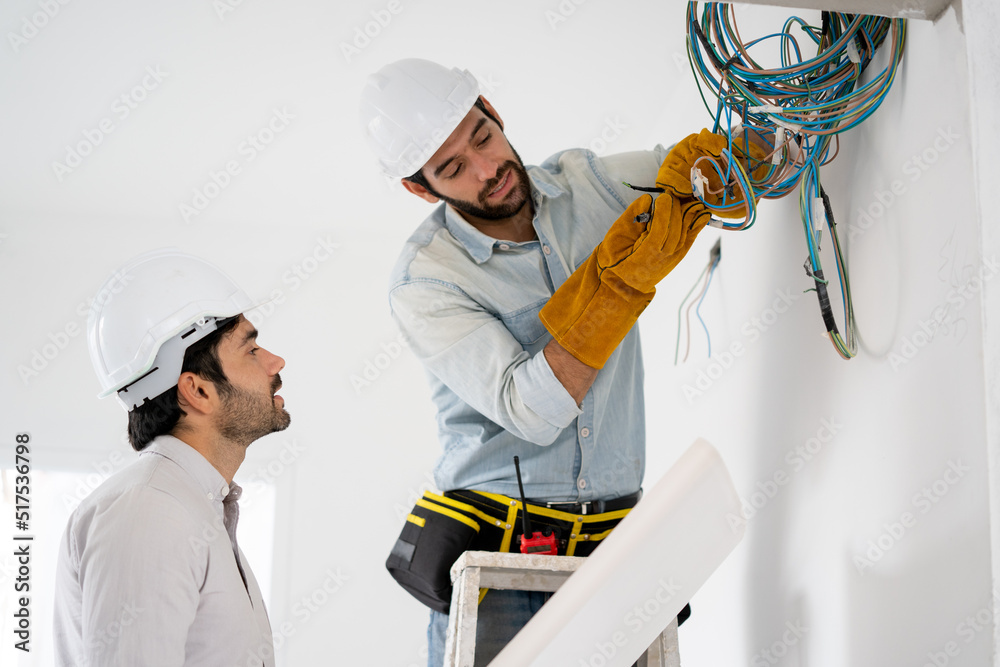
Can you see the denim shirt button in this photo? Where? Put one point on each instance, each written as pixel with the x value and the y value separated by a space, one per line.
pixel 547 250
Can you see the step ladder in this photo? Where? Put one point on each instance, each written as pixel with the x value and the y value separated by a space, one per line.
pixel 521 572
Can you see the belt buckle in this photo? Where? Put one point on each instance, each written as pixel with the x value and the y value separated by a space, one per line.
pixel 562 505
pixel 584 506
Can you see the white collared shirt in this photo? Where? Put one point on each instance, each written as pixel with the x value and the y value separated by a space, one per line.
pixel 147 574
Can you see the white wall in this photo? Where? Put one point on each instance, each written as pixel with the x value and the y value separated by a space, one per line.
pixel 355 457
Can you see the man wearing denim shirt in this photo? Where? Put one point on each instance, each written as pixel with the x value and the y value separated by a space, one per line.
pixel 467 290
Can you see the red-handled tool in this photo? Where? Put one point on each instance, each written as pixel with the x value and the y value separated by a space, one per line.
pixel 538 543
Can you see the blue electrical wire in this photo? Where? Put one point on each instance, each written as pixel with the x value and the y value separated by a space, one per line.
pixel 799 109
pixel 698 307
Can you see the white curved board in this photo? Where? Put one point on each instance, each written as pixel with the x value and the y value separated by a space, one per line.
pixel 643 574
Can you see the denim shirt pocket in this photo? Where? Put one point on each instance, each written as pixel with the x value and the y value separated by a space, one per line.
pixel 524 324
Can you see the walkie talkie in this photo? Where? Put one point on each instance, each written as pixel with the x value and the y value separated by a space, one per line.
pixel 537 543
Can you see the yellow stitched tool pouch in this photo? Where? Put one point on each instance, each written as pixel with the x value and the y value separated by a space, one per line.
pixel 434 536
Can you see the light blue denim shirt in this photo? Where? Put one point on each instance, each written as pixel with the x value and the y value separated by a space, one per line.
pixel 468 306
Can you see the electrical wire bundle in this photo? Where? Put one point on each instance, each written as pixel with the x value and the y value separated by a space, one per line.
pixel 793 114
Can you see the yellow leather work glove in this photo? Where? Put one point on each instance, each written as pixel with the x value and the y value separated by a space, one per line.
pixel 595 308
pixel 675 173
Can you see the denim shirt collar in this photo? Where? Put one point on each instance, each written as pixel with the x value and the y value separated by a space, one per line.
pixel 479 245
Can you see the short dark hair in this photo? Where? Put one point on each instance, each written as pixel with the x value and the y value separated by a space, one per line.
pixel 159 415
pixel 419 178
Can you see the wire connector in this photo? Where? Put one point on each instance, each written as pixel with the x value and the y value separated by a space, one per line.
pixel 766 108
pixel 852 52
pixel 781 137
pixel 699 184
pixel 792 127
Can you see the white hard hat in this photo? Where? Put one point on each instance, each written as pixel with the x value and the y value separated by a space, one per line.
pixel 146 316
pixel 409 108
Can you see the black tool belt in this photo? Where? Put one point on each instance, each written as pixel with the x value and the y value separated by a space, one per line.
pixel 441 527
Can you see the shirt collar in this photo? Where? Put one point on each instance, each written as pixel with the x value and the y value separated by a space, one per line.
pixel 209 480
pixel 479 245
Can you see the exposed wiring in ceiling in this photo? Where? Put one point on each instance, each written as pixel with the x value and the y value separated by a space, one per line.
pixel 793 115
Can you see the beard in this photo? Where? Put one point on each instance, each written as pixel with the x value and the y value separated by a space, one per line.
pixel 248 415
pixel 512 203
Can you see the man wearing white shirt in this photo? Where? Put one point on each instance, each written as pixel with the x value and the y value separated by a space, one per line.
pixel 149 570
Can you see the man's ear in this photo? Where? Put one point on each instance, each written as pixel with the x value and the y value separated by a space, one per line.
pixel 493 112
pixel 195 394
pixel 419 190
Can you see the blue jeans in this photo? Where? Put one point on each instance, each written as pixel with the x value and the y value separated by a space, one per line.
pixel 501 615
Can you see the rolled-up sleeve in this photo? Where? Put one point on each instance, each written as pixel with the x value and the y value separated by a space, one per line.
pixel 471 351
